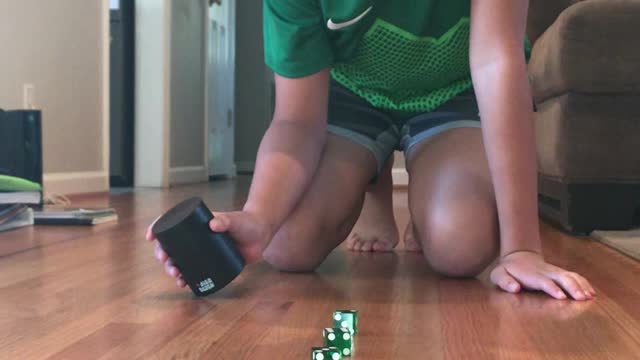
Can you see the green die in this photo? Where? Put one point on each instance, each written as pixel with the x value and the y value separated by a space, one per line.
pixel 340 338
pixel 325 353
pixel 346 319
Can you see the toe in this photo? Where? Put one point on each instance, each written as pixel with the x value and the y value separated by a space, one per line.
pixel 412 246
pixel 367 246
pixel 381 246
pixel 351 241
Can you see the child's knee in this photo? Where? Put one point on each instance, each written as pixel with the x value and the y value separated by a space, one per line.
pixel 287 263
pixel 459 265
pixel 281 255
pixel 453 248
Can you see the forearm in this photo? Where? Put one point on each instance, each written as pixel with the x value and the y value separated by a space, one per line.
pixel 507 120
pixel 287 159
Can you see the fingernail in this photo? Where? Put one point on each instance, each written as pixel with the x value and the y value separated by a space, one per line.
pixel 580 294
pixel 513 286
pixel 561 295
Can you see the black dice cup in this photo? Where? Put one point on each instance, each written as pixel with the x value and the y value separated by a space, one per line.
pixel 207 260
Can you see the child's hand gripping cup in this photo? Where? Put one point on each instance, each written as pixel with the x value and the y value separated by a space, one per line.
pixel 207 260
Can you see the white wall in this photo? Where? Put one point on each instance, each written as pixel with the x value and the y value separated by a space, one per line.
pixel 59 47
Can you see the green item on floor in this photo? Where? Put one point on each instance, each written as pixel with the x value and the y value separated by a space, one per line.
pixel 12 183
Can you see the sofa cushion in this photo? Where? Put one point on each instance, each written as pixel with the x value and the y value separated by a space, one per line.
pixel 589 138
pixel 542 13
pixel 591 48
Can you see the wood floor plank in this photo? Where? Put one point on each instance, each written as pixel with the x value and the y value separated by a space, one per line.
pixel 98 343
pixel 143 343
pixel 97 292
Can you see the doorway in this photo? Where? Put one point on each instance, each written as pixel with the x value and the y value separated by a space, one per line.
pixel 121 92
pixel 221 88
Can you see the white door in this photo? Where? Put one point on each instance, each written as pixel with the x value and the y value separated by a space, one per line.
pixel 221 82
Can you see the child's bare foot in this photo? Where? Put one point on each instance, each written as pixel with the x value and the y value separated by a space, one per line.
pixel 410 242
pixel 376 228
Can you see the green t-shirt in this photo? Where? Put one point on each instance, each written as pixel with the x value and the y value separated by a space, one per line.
pixel 401 55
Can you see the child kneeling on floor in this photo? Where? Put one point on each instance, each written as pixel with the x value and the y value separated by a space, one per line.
pixel 444 81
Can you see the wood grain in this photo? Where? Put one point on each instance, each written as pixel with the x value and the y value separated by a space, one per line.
pixel 97 293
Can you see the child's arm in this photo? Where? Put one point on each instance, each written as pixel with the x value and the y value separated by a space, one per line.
pixel 498 69
pixel 290 150
pixel 287 159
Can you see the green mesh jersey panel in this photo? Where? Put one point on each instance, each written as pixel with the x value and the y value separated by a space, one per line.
pixel 400 55
pixel 396 70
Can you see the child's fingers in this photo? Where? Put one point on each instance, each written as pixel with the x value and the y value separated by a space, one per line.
pixel 571 285
pixel 170 269
pixel 220 223
pixel 547 285
pixel 160 254
pixel 149 234
pixel 506 282
pixel 180 282
pixel 534 280
pixel 584 283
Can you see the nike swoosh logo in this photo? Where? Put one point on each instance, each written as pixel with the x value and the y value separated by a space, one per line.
pixel 337 26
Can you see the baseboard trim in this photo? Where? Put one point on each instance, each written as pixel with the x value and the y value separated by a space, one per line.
pixel 245 166
pixel 187 175
pixel 80 182
pixel 400 177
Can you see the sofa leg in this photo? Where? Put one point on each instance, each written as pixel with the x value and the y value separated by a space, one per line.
pixel 582 208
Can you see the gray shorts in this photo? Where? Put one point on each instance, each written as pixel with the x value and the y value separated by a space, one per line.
pixel 383 132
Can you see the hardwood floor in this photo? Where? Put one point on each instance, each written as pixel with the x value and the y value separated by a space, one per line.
pixel 97 292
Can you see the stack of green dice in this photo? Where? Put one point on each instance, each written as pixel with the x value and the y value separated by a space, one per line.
pixel 338 340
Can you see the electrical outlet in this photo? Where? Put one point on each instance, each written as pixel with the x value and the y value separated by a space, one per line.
pixel 28 99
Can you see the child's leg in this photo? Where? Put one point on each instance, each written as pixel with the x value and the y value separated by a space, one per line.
pixel 452 202
pixel 376 229
pixel 326 213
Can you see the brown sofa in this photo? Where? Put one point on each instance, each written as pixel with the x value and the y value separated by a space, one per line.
pixel 585 71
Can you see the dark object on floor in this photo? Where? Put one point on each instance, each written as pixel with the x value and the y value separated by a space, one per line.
pixel 586 85
pixel 582 208
pixel 21 144
pixel 75 216
pixel 208 261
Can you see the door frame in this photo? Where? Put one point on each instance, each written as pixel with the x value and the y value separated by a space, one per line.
pixel 232 51
pixel 205 64
pixel 106 87
pixel 152 140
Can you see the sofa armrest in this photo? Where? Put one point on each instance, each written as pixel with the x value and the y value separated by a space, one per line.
pixel 590 48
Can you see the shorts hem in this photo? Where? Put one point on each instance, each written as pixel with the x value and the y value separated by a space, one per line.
pixel 412 141
pixel 377 151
